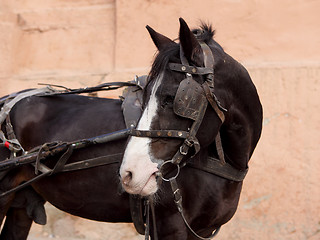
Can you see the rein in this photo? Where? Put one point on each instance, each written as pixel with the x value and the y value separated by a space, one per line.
pixel 35 155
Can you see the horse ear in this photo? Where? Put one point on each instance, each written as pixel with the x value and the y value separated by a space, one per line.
pixel 189 43
pixel 159 40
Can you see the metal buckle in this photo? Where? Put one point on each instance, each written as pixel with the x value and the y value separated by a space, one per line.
pixel 182 151
pixel 188 142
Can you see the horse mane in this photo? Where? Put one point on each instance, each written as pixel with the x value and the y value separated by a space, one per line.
pixel 204 33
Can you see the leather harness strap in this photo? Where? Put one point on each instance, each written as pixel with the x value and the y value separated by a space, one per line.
pixel 85 164
pixel 93 162
pixel 215 166
pixel 12 100
pixel 9 102
pixel 132 113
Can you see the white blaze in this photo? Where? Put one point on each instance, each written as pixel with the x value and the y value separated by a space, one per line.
pixel 137 156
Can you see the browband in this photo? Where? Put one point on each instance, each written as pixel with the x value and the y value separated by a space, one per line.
pixel 190 69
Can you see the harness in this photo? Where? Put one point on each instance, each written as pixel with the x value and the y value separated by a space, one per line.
pixel 131 107
pixel 34 156
pixel 11 141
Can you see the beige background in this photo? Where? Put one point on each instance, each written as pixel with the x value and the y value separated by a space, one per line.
pixel 86 42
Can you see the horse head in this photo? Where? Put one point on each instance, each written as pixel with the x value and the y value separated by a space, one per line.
pixel 195 91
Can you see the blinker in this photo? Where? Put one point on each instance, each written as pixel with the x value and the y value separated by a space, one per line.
pixel 189 99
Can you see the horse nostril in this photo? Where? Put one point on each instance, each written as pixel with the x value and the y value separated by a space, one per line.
pixel 127 178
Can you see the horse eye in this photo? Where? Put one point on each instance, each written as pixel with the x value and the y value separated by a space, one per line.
pixel 167 101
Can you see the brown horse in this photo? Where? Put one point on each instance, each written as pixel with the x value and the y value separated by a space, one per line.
pixel 204 106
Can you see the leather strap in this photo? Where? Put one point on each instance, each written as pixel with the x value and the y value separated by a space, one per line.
pixel 62 160
pixel 219 148
pixel 9 128
pixel 132 98
pixel 190 69
pixel 25 184
pixel 12 142
pixel 136 210
pixel 208 56
pixel 183 58
pixel 212 101
pixel 159 133
pixel 178 201
pixel 216 167
pixel 5 110
pixel 93 162
pixel 89 163
pixel 101 87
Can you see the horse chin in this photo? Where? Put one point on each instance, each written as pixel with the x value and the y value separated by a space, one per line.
pixel 151 187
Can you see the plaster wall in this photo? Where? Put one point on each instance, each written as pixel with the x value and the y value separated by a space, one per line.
pixel 83 43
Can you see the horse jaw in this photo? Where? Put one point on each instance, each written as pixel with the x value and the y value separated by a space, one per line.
pixel 139 168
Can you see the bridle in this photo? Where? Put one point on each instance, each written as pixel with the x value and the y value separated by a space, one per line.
pixel 191 101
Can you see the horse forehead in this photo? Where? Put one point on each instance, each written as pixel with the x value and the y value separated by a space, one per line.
pixel 151 105
pixel 170 82
pixel 153 92
pixel 157 84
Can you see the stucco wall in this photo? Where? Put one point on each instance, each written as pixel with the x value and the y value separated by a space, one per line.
pixel 79 43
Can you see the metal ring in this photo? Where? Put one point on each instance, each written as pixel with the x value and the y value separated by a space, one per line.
pixel 174 177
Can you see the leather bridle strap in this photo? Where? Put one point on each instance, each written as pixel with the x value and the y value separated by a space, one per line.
pixel 159 133
pixel 178 201
pixel 208 88
pixel 190 139
pixel 190 69
pixel 212 100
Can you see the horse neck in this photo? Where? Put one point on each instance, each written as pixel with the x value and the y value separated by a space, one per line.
pixel 238 134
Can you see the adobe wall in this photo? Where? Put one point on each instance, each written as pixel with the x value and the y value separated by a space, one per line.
pixel 81 43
